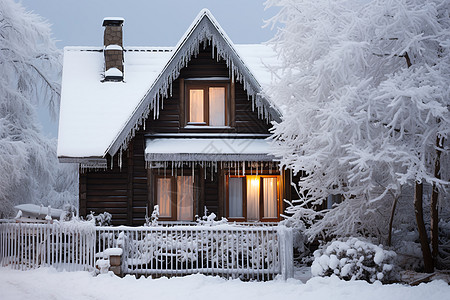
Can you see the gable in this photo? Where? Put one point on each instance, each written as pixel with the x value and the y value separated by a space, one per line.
pixel 99 118
pixel 201 68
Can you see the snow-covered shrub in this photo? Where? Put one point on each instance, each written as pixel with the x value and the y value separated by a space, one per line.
pixel 210 220
pixel 103 265
pixel 155 216
pixel 354 259
pixel 444 241
pixel 69 212
pixel 103 219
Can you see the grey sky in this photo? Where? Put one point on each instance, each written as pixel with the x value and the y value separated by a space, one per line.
pixel 147 23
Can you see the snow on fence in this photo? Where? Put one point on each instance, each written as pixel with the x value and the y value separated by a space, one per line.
pixel 247 252
pixel 61 245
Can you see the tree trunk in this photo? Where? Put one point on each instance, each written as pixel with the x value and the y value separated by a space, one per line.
pixel 391 220
pixel 418 208
pixel 434 206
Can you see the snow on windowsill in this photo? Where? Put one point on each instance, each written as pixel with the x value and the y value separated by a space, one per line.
pixel 206 127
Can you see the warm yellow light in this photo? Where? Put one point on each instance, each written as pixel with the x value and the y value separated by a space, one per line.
pixel 253 182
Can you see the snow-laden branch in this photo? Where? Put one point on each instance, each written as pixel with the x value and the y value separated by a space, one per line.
pixel 360 120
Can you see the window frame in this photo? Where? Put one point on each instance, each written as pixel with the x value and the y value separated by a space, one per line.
pixel 173 193
pixel 205 85
pixel 261 198
pixel 173 196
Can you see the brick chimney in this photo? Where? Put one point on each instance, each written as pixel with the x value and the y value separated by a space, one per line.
pixel 113 48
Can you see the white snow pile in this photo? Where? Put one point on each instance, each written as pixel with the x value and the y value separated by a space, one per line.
pixel 354 259
pixel 45 283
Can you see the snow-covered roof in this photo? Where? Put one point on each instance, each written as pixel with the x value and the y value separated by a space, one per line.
pixel 93 112
pixel 98 117
pixel 206 149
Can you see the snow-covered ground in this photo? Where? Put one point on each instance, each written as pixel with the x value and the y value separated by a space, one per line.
pixel 47 283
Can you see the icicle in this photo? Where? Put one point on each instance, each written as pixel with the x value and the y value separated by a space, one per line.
pixel 212 171
pixel 192 166
pixel 172 166
pixel 243 168
pixel 157 106
pixel 120 159
pixel 290 176
pixel 204 169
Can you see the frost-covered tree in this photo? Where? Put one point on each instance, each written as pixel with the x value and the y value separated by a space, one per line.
pixel 364 87
pixel 29 69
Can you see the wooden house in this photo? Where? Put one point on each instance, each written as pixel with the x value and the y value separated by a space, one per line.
pixel 181 127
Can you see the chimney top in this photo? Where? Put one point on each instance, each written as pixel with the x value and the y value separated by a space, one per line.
pixel 113 21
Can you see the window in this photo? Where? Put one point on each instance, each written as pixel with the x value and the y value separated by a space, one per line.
pixel 253 198
pixel 206 104
pixel 175 197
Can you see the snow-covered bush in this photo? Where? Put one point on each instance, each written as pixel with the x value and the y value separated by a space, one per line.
pixel 69 212
pixel 354 259
pixel 210 220
pixel 444 241
pixel 103 219
pixel 155 216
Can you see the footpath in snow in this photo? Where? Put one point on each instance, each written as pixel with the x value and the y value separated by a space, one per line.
pixel 45 283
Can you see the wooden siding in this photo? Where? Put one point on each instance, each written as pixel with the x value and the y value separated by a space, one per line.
pixel 107 190
pixel 120 191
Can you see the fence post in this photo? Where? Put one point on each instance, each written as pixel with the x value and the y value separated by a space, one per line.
pixel 285 238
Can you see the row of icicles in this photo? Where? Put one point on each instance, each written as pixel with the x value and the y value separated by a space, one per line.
pixel 236 168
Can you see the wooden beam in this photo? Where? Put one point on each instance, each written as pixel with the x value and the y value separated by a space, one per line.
pixel 220 180
pixel 232 106
pixel 182 101
pixel 82 193
pixel 150 194
pixel 130 184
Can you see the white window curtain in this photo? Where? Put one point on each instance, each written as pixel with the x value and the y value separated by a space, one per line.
pixel 253 198
pixel 217 106
pixel 163 196
pixel 235 197
pixel 196 106
pixel 270 197
pixel 185 198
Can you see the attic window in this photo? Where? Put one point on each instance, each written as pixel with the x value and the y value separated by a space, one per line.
pixel 206 104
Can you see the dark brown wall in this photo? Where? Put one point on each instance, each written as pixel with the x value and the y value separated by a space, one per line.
pixel 121 191
pixel 106 190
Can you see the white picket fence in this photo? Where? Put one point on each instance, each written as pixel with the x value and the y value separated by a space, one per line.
pixel 28 246
pixel 232 251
